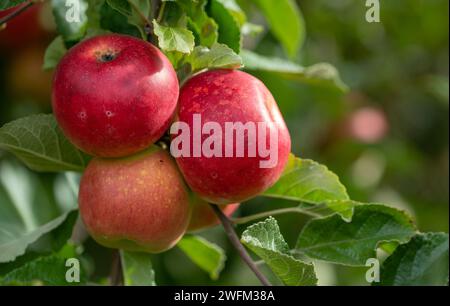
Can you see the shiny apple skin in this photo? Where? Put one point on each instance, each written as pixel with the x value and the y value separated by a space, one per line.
pixel 230 96
pixel 114 95
pixel 139 203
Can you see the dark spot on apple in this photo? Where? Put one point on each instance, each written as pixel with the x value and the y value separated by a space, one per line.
pixel 107 57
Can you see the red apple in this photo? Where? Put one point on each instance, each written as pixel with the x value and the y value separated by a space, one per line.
pixel 114 95
pixel 138 203
pixel 203 216
pixel 224 97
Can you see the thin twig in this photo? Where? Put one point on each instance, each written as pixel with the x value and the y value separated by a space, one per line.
pixel 16 13
pixel 232 236
pixel 149 29
pixel 161 12
pixel 116 276
pixel 280 211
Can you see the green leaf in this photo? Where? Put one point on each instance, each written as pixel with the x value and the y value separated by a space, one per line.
pixel 39 143
pixel 30 217
pixel 219 56
pixel 307 181
pixel 140 13
pixel 55 51
pixel 254 61
pixel 14 243
pixel 5 4
pixel 50 270
pixel 352 243
pixel 122 6
pixel 112 20
pixel 21 213
pixel 235 10
pixel 71 21
pixel 208 256
pixel 423 261
pixel 93 14
pixel 137 12
pixel 204 28
pixel 137 269
pixel 177 59
pixel 57 238
pixel 321 74
pixel 48 243
pixel 28 213
pixel 286 23
pixel 389 247
pixel 265 240
pixel 174 38
pixel 344 208
pixel 229 30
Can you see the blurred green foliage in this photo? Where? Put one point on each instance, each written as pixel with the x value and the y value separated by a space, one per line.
pixel 397 68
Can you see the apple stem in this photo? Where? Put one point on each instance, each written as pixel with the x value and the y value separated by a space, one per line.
pixel 16 13
pixel 116 276
pixel 234 239
pixel 162 7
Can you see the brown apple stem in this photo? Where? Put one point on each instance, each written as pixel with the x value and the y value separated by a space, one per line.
pixel 16 13
pixel 234 239
pixel 116 276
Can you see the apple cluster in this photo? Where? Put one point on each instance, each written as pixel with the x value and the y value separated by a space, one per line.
pixel 115 97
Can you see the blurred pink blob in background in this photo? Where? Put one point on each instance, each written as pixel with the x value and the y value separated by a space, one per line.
pixel 368 124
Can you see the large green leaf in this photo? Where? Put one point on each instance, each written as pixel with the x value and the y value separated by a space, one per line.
pixel 265 240
pixel 137 269
pixel 47 244
pixel 71 21
pixel 116 22
pixel 39 143
pixel 321 74
pixel 5 4
pixel 30 216
pixel 137 12
pixel 174 38
pixel 48 270
pixel 285 21
pixel 317 188
pixel 229 30
pixel 219 56
pixel 352 243
pixel 208 256
pixel 422 261
pixel 307 181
